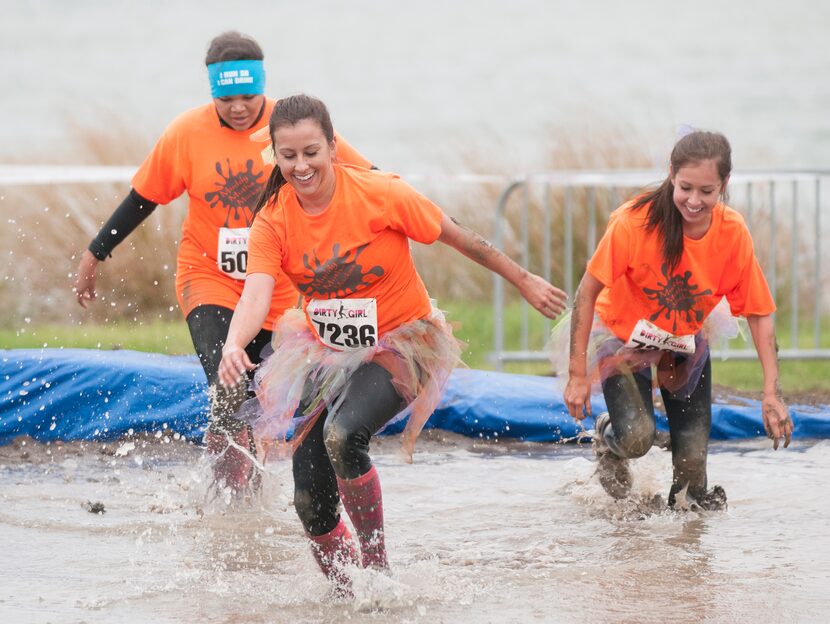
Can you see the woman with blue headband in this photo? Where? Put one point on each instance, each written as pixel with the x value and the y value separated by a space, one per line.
pixel 210 153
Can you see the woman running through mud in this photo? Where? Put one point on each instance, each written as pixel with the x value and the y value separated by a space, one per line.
pixel 368 347
pixel 649 298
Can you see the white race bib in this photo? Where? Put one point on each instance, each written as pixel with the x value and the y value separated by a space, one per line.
pixel 344 324
pixel 648 337
pixel 232 252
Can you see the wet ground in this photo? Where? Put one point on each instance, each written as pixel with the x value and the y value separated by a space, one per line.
pixel 126 532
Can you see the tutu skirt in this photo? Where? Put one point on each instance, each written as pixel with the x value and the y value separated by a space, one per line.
pixel 608 355
pixel 420 355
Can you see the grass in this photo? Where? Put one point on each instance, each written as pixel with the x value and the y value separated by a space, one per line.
pixel 472 323
pixel 167 337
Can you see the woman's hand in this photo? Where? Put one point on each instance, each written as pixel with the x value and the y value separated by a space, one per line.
pixel 247 320
pixel 235 363
pixel 542 295
pixel 85 278
pixel 578 396
pixel 777 421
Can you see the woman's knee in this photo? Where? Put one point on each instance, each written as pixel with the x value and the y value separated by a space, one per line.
pixel 344 445
pixel 634 436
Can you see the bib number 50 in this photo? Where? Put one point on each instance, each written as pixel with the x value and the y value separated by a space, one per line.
pixel 234 261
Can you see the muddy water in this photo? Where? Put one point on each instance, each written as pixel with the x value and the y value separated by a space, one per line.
pixel 477 533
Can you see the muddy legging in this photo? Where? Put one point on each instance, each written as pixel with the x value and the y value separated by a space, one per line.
pixel 633 426
pixel 338 446
pixel 208 326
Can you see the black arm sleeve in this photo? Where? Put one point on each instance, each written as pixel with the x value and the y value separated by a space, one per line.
pixel 127 217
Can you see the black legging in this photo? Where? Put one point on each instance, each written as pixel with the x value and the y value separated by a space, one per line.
pixel 633 426
pixel 338 446
pixel 208 326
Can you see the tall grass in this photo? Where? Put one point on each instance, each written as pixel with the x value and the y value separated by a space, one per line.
pixel 47 228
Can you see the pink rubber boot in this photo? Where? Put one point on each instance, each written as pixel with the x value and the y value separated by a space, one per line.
pixel 231 466
pixel 363 502
pixel 334 551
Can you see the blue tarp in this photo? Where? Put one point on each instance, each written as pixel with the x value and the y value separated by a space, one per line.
pixel 72 394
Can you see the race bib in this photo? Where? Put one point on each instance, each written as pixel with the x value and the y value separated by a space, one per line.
pixel 232 252
pixel 344 324
pixel 648 337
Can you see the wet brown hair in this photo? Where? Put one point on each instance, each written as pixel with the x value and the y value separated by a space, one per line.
pixel 233 46
pixel 289 112
pixel 663 216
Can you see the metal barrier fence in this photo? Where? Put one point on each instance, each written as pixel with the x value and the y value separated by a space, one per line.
pixel 783 210
pixel 552 221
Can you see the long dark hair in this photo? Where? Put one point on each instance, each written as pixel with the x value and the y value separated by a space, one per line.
pixel 663 216
pixel 289 112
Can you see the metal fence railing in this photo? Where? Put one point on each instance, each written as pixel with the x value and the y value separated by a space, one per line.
pixel 551 223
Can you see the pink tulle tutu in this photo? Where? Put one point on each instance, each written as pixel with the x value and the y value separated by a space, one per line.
pixel 608 355
pixel 420 355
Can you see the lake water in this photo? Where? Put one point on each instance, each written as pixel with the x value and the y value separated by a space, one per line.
pixel 476 533
pixel 420 87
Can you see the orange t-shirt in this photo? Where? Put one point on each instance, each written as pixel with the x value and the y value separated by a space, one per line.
pixel 629 263
pixel 223 173
pixel 357 248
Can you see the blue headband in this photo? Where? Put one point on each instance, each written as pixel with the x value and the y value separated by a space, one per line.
pixel 236 78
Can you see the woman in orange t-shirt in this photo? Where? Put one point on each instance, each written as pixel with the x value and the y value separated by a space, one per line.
pixel 651 296
pixel 367 346
pixel 208 152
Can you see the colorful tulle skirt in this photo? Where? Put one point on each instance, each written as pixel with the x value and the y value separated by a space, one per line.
pixel 607 355
pixel 420 355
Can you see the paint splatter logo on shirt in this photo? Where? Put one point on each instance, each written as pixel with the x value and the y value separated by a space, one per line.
pixel 237 193
pixel 676 297
pixel 337 276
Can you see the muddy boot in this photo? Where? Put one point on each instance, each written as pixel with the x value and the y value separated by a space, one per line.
pixel 363 501
pixel 612 470
pixel 711 500
pixel 335 552
pixel 233 460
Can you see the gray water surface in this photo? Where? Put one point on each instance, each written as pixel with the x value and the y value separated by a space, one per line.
pixel 476 533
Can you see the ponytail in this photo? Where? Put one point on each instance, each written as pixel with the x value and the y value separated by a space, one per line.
pixel 269 194
pixel 665 218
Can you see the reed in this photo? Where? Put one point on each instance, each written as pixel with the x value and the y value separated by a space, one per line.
pixel 47 228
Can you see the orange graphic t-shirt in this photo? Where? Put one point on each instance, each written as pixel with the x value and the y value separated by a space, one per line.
pixel 629 263
pixel 357 249
pixel 223 173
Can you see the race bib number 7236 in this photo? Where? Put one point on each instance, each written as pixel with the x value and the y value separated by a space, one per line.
pixel 344 324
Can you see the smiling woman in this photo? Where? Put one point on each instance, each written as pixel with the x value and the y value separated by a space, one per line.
pixel 368 347
pixel 302 155
pixel 673 266
pixel 697 189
